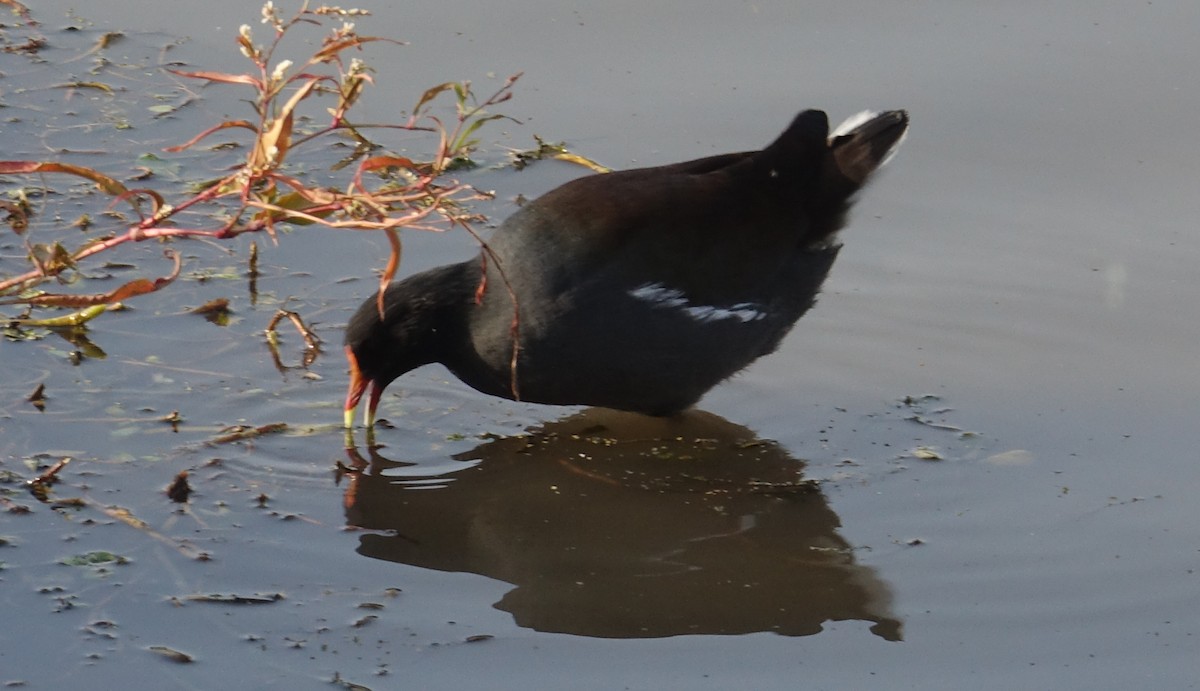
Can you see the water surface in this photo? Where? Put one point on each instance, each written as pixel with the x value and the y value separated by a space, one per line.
pixel 1015 295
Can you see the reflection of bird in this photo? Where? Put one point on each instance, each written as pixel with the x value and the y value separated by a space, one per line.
pixel 621 525
pixel 637 290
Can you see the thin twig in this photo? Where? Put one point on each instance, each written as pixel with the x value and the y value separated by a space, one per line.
pixel 514 327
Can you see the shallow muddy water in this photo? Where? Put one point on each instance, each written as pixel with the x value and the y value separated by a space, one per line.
pixel 995 397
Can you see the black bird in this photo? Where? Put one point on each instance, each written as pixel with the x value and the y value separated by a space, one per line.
pixel 638 290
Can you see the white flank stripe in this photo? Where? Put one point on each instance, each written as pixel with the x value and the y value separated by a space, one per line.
pixel 671 298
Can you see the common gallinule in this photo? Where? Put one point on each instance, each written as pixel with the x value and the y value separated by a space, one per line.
pixel 638 290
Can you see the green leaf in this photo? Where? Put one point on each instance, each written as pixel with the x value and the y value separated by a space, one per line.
pixel 93 558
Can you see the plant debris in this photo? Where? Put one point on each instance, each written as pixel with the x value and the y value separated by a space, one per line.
pixel 216 311
pixel 179 490
pixel 94 558
pixel 39 487
pixel 926 453
pixel 235 599
pixel 38 397
pixel 244 432
pixel 171 654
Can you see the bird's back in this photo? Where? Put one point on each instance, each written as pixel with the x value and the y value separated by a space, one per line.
pixel 642 289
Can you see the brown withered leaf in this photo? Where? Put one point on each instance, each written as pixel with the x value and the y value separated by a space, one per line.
pixel 179 490
pixel 38 397
pixel 212 307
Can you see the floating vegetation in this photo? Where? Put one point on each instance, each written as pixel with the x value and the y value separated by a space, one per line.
pixel 94 559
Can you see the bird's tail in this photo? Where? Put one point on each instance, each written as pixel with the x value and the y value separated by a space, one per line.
pixel 864 142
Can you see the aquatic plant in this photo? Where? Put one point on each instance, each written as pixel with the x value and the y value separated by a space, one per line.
pixel 377 191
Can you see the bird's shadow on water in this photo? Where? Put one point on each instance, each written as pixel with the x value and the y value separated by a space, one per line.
pixel 618 525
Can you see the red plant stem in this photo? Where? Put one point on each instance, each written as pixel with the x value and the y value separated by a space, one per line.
pixel 135 234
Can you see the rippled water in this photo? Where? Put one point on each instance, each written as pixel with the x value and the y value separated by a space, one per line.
pixel 1014 298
